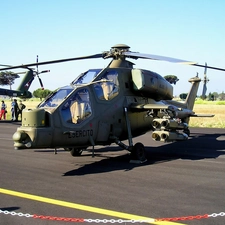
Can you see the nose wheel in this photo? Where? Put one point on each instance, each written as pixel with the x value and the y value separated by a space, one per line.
pixel 138 152
pixel 75 151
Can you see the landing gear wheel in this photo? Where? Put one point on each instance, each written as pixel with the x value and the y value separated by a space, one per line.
pixel 138 152
pixel 76 151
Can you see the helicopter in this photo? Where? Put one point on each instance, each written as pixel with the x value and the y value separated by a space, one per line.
pixel 22 90
pixel 109 105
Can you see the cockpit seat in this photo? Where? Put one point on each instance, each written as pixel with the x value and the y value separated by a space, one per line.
pixel 77 110
pixel 107 88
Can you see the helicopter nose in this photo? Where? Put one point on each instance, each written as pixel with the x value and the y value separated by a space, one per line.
pixel 21 140
pixel 19 136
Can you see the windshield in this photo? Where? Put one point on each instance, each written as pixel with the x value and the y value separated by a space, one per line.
pixel 86 77
pixel 54 99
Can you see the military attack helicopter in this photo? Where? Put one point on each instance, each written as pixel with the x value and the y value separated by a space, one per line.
pixel 109 105
pixel 22 90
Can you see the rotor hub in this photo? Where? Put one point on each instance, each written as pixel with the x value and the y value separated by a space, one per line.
pixel 121 47
pixel 116 51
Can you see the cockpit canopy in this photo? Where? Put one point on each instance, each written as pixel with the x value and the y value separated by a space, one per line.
pixel 86 77
pixel 58 96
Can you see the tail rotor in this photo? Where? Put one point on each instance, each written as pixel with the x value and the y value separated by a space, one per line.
pixel 37 73
pixel 205 81
pixel 40 81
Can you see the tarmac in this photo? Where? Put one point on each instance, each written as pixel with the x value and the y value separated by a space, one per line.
pixel 179 180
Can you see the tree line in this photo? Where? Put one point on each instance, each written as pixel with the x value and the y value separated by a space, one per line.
pixel 8 78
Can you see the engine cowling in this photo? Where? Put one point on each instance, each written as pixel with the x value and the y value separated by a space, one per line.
pixel 151 85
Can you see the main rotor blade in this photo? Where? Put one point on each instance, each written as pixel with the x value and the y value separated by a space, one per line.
pixel 168 59
pixel 156 57
pixel 4 65
pixel 209 67
pixel 54 61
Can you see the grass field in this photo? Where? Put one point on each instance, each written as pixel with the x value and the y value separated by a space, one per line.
pixel 209 107
pixel 218 121
pixel 201 107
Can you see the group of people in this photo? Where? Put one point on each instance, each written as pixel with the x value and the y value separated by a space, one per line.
pixel 16 110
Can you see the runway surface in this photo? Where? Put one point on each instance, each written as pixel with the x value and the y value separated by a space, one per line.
pixel 179 179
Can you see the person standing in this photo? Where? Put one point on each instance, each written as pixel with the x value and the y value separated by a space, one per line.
pixel 21 107
pixel 16 110
pixel 12 110
pixel 3 110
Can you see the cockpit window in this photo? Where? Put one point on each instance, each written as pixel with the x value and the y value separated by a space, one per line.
pixel 54 99
pixel 86 77
pixel 77 107
pixel 107 86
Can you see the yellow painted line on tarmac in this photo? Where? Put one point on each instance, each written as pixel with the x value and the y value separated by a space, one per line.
pixel 91 209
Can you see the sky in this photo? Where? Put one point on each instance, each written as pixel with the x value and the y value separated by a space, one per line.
pixel 55 29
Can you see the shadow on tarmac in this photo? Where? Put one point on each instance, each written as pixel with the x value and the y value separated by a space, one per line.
pixel 13 208
pixel 198 147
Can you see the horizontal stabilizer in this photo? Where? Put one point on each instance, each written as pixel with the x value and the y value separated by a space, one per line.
pixel 202 115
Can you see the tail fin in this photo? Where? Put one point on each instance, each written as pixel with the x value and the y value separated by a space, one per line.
pixel 22 90
pixel 188 105
pixel 190 100
pixel 26 82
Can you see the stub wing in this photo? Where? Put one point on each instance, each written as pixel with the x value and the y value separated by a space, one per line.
pixel 146 107
pixel 164 109
pixel 177 112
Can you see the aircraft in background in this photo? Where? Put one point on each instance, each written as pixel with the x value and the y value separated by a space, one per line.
pixel 22 90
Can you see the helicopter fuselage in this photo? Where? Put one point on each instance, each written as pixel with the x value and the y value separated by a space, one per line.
pixel 93 113
pixel 104 106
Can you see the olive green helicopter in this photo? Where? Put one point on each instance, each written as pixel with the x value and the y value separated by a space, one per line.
pixel 22 90
pixel 109 105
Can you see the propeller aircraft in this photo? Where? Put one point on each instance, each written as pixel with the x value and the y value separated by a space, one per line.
pixel 109 105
